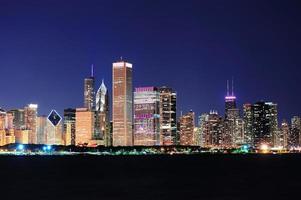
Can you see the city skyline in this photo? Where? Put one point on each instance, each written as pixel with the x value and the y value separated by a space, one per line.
pixel 200 42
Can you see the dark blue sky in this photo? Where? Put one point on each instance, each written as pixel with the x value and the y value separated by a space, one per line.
pixel 47 47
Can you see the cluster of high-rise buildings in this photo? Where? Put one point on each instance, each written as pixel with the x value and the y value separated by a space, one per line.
pixel 147 116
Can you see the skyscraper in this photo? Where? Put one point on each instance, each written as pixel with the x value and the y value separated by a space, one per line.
pixel 69 126
pixel 30 118
pixel 231 110
pixel 264 123
pixel 168 116
pixel 146 116
pixel 187 129
pixel 284 134
pixel 212 130
pixel 247 118
pixel 295 134
pixel 203 118
pixel 19 121
pixel 102 115
pixel 84 127
pixel 122 104
pixel 89 94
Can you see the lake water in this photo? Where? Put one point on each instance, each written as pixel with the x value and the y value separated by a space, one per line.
pixel 151 177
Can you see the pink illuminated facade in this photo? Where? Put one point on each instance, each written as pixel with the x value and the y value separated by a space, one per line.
pixel 146 116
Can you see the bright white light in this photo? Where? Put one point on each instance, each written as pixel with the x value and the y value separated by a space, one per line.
pixel 264 147
pixel 20 147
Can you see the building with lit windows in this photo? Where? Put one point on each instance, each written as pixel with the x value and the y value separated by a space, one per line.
pixel 248 121
pixel 41 129
pixel 284 134
pixel 69 126
pixel 89 93
pixel 19 118
pixel 122 104
pixel 295 134
pixel 54 129
pixel 22 136
pixel 203 118
pixel 102 115
pixel 146 116
pixel 84 127
pixel 264 123
pixel 187 129
pixel 168 116
pixel 30 118
pixel 212 129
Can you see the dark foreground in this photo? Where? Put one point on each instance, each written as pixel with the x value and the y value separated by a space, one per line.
pixel 151 177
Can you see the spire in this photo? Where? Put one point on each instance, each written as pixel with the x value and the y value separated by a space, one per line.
pixel 92 70
pixel 227 87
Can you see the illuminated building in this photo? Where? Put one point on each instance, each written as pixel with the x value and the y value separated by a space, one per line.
pixel 2 137
pixel 54 132
pixel 212 130
pixel 264 123
pixel 284 134
pixel 233 125
pixel 7 135
pixel 89 94
pixel 41 132
pixel 203 119
pixel 84 126
pixel 168 116
pixel 102 115
pixel 19 120
pixel 2 127
pixel 30 118
pixel 2 119
pixel 187 129
pixel 22 136
pixel 146 116
pixel 295 134
pixel 231 110
pixel 122 104
pixel 69 126
pixel 247 117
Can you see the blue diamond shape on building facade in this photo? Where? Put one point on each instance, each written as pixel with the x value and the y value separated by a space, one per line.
pixel 54 118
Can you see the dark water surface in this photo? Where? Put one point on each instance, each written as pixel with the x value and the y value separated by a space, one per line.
pixel 151 177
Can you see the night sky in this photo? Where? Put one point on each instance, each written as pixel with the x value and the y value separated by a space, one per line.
pixel 47 48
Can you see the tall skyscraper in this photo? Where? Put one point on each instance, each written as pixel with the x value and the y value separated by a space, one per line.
pixel 231 110
pixel 122 104
pixel 168 116
pixel 102 115
pixel 295 134
pixel 233 124
pixel 248 121
pixel 30 116
pixel 69 126
pixel 264 123
pixel 89 93
pixel 203 118
pixel 284 134
pixel 84 127
pixel 187 129
pixel 212 130
pixel 146 116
